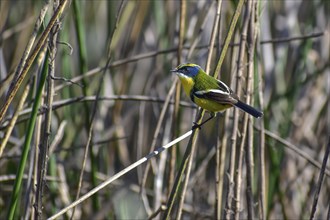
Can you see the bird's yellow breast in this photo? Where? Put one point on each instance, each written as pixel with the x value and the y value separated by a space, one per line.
pixel 187 83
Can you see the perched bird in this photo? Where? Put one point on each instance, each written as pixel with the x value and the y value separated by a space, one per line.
pixel 209 93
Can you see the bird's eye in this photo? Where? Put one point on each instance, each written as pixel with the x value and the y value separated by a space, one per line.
pixel 182 69
pixel 185 68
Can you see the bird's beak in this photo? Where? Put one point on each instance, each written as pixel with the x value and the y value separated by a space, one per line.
pixel 174 70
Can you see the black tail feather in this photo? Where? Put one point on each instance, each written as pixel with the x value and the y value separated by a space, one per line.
pixel 249 109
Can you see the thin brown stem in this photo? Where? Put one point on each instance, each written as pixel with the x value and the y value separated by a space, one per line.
pixel 233 154
pixel 261 135
pixel 213 36
pixel 44 148
pixel 320 180
pixel 253 33
pixel 183 11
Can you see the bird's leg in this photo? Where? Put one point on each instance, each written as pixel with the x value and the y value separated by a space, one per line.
pixel 196 125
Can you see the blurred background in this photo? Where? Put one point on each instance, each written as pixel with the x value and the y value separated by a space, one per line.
pixel 139 40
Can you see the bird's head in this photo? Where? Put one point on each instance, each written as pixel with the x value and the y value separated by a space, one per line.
pixel 187 70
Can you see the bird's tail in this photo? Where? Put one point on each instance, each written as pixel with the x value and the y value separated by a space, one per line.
pixel 249 109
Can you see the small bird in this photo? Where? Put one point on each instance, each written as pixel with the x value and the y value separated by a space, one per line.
pixel 209 93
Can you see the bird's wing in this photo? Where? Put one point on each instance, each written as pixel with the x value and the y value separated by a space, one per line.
pixel 217 95
pixel 223 87
pixel 222 94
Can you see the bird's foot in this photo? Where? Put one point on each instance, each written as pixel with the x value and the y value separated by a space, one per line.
pixel 196 125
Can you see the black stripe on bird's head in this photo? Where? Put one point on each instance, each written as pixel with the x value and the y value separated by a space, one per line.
pixel 187 70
